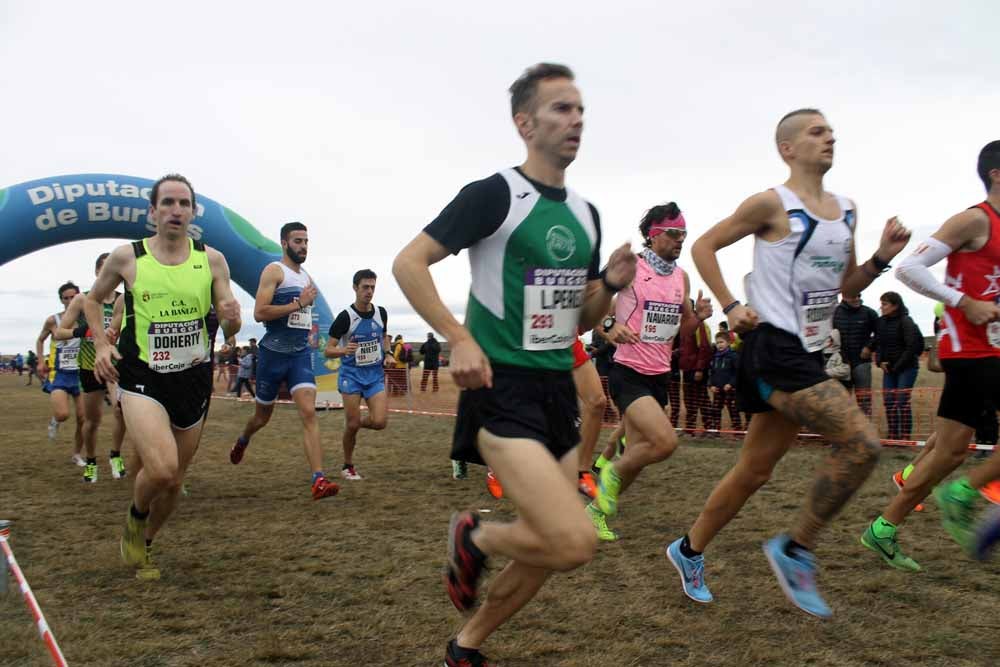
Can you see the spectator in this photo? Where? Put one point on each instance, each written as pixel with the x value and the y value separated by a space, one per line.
pixel 674 390
pixel 835 365
pixel 399 352
pixel 734 339
pixel 431 353
pixel 253 353
pixel 856 324
pixel 899 344
pixel 243 374
pixel 32 363
pixel 696 356
pixel 19 363
pixel 722 383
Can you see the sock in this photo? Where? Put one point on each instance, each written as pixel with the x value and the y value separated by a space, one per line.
pixel 91 461
pixel 149 543
pixel 906 471
pixel 460 651
pixel 963 490
pixel 601 461
pixel 883 528
pixel 113 454
pixel 347 465
pixel 792 547
pixel 317 475
pixel 243 440
pixel 141 516
pixel 686 549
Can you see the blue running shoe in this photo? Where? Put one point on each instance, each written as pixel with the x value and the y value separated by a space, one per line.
pixel 692 571
pixel 987 535
pixel 797 576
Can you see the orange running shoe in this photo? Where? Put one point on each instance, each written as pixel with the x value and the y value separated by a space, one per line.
pixel 324 488
pixel 588 486
pixel 991 492
pixel 493 484
pixel 897 479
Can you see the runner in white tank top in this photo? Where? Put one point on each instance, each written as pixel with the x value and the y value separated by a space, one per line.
pixel 803 257
pixel 649 314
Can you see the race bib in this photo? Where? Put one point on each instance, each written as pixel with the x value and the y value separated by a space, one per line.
pixel 68 358
pixel 369 352
pixel 176 346
pixel 660 321
pixel 301 319
pixel 817 318
pixel 553 299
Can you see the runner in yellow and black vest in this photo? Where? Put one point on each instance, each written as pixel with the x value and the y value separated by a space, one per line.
pixel 165 371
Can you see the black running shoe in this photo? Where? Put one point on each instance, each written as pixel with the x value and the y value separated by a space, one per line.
pixel 463 657
pixel 465 561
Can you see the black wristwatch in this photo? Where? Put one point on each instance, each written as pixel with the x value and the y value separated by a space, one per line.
pixel 607 323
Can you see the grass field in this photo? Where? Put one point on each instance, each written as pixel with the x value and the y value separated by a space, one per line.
pixel 255 573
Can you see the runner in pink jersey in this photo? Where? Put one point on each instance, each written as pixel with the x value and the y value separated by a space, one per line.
pixel 649 314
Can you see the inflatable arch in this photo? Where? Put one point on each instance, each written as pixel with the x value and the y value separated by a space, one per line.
pixel 49 211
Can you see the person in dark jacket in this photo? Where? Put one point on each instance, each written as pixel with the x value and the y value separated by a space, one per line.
pixel 431 353
pixel 696 355
pixel 722 383
pixel 899 345
pixel 857 324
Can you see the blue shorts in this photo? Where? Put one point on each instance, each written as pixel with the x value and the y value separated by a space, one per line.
pixel 273 368
pixel 366 383
pixel 68 381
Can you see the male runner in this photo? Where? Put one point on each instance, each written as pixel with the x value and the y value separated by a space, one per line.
pixel 803 258
pixel 356 338
pixel 64 375
pixel 94 392
pixel 649 313
pixel 164 371
pixel 284 302
pixel 534 252
pixel 590 393
pixel 969 350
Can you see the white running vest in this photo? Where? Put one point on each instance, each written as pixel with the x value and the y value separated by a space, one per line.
pixel 796 281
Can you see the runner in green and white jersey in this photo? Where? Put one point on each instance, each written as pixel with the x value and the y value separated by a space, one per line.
pixel 534 251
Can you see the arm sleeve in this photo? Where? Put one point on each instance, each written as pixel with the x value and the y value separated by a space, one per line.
pixel 914 272
pixel 340 325
pixel 474 214
pixel 594 270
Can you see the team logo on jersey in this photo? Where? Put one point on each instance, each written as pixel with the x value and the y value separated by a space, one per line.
pixel 145 295
pixel 993 287
pixel 560 243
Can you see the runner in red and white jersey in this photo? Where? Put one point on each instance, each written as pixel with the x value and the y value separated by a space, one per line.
pixel 969 350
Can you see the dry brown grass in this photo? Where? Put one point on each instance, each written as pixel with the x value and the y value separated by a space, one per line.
pixel 255 573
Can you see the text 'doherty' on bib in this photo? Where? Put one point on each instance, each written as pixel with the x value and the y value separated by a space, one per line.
pixel 552 302
pixel 176 346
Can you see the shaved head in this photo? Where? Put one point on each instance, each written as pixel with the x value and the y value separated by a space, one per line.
pixel 792 123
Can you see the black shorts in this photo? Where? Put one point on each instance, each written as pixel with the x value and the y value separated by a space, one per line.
pixel 627 384
pixel 969 385
pixel 184 395
pixel 772 358
pixel 89 382
pixel 522 403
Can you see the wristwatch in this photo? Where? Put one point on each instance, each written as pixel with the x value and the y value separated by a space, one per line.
pixel 607 323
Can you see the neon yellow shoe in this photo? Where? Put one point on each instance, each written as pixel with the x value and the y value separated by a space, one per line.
pixel 133 542
pixel 147 570
pixel 609 484
pixel 604 534
pixel 888 549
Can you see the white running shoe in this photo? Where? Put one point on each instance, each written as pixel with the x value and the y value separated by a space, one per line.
pixel 53 429
pixel 350 473
pixel 79 460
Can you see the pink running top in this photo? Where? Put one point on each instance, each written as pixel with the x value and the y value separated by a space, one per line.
pixel 651 307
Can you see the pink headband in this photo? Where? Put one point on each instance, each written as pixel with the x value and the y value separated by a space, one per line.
pixel 658 228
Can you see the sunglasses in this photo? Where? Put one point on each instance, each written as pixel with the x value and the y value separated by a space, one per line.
pixel 676 234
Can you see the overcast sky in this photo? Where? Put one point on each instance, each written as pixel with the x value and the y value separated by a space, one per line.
pixel 363 120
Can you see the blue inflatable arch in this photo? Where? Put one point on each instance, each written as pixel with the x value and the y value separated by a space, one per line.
pixel 49 211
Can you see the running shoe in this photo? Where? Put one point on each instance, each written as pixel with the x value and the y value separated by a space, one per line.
pixel 324 488
pixel 604 534
pixel 463 657
pixel 888 549
pixel 147 569
pixel 90 473
pixel 350 473
pixel 459 469
pixel 465 563
pixel 133 542
pixel 796 575
pixel 692 571
pixel 236 453
pixel 117 464
pixel 78 460
pixel 586 485
pixel 609 484
pixel 987 535
pixel 493 484
pixel 897 479
pixel 991 492
pixel 957 514
pixel 53 428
